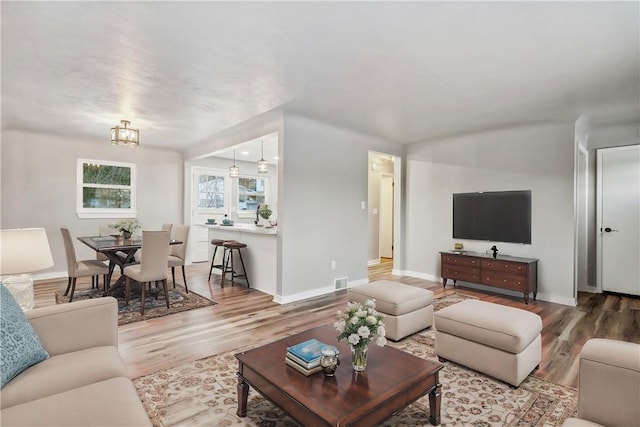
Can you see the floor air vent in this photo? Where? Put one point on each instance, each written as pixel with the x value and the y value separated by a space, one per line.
pixel 341 282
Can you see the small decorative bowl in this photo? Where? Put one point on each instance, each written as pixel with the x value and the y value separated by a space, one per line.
pixel 211 221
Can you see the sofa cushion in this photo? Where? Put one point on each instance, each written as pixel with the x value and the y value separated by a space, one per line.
pixel 20 346
pixel 392 298
pixel 113 402
pixel 64 372
pixel 506 328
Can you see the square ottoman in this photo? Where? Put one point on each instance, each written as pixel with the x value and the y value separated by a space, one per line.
pixel 407 309
pixel 500 341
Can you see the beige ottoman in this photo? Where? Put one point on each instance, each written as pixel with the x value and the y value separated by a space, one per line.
pixel 500 341
pixel 407 309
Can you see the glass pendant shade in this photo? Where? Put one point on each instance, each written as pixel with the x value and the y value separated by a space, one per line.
pixel 123 135
pixel 263 166
pixel 234 171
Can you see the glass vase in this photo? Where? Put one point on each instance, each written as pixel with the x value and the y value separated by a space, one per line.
pixel 359 357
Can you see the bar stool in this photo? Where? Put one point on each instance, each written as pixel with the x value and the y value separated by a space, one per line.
pixel 217 243
pixel 227 267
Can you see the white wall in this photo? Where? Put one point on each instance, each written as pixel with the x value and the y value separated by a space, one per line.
pixel 323 171
pixel 39 186
pixel 539 159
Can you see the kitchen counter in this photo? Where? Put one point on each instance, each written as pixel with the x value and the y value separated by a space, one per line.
pixel 243 227
pixel 259 256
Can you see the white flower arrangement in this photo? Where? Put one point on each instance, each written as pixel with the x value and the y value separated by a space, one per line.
pixel 126 225
pixel 361 324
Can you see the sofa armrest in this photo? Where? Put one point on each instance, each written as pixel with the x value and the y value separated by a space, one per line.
pixel 609 382
pixel 77 325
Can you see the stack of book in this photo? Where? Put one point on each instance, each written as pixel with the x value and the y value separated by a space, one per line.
pixel 305 357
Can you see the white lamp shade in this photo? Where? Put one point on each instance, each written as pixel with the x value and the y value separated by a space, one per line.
pixel 24 250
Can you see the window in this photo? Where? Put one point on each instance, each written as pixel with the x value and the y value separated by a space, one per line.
pixel 252 191
pixel 210 192
pixel 106 189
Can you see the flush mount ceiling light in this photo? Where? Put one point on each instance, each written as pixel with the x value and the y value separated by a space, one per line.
pixel 234 171
pixel 123 135
pixel 263 166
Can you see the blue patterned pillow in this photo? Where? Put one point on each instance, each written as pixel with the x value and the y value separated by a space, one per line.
pixel 20 346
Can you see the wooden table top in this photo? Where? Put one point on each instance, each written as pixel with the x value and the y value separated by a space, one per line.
pixel 392 380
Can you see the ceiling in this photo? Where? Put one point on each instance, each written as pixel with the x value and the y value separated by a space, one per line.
pixel 405 71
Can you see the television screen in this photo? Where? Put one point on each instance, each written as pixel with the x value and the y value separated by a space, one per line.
pixel 497 216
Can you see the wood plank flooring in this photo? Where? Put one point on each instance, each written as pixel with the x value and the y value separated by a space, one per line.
pixel 244 317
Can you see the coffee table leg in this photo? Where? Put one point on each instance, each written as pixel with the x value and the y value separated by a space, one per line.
pixel 434 404
pixel 243 394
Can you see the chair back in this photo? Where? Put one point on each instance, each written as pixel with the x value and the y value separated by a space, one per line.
pixel 155 254
pixel 180 233
pixel 167 227
pixel 70 252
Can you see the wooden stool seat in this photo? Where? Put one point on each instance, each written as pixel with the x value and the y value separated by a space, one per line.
pixel 229 247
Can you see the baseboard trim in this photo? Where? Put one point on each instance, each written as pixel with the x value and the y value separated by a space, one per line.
pixel 373 262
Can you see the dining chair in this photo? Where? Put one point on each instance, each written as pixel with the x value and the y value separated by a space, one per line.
pixel 85 268
pixel 153 265
pixel 167 227
pixel 177 253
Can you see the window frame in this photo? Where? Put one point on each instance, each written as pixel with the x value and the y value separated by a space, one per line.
pixel 250 214
pixel 83 212
pixel 219 173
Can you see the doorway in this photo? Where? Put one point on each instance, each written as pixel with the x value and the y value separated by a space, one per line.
pixel 383 210
pixel 618 219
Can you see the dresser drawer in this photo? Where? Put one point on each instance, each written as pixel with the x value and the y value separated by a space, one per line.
pixel 504 280
pixel 457 271
pixel 461 260
pixel 505 267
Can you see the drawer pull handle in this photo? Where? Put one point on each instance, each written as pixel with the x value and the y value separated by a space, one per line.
pixel 506 266
pixel 505 280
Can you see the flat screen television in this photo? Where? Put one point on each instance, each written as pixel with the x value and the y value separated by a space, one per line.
pixel 497 216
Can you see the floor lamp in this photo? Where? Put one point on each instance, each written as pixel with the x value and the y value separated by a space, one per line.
pixel 23 251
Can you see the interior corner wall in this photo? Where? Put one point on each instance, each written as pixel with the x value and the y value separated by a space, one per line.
pixel 39 174
pixel 540 159
pixel 323 170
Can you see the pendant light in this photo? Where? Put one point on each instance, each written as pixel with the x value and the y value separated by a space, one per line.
pixel 263 166
pixel 234 171
pixel 124 135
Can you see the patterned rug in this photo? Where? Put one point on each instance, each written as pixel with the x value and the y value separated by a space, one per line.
pixel 155 305
pixel 203 393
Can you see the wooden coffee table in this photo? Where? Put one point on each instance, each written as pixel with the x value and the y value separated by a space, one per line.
pixel 393 380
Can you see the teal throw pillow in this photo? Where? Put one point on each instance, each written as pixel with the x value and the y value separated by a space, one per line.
pixel 20 346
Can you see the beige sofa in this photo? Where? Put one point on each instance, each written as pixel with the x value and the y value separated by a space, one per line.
pixel 84 382
pixel 608 385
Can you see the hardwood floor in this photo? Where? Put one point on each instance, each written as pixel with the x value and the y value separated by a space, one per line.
pixel 244 317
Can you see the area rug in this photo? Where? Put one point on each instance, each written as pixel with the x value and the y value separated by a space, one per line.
pixel 204 393
pixel 155 304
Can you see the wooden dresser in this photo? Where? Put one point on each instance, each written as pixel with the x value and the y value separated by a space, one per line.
pixel 513 273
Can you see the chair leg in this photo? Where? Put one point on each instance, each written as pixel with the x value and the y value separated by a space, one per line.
pixel 142 297
pixel 246 276
pixel 127 287
pixel 184 277
pixel 73 289
pixel 225 265
pixel 215 249
pixel 166 292
pixel 173 276
pixel 68 287
pixel 93 282
pixel 104 282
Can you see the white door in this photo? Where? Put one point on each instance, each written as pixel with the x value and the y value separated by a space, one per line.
pixel 619 219
pixel 386 217
pixel 208 198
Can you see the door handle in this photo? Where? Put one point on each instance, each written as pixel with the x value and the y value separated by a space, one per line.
pixel 609 229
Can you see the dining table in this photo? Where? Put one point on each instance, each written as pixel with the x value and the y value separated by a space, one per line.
pixel 120 252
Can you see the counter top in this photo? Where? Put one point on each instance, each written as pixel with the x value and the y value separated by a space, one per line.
pixel 245 228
